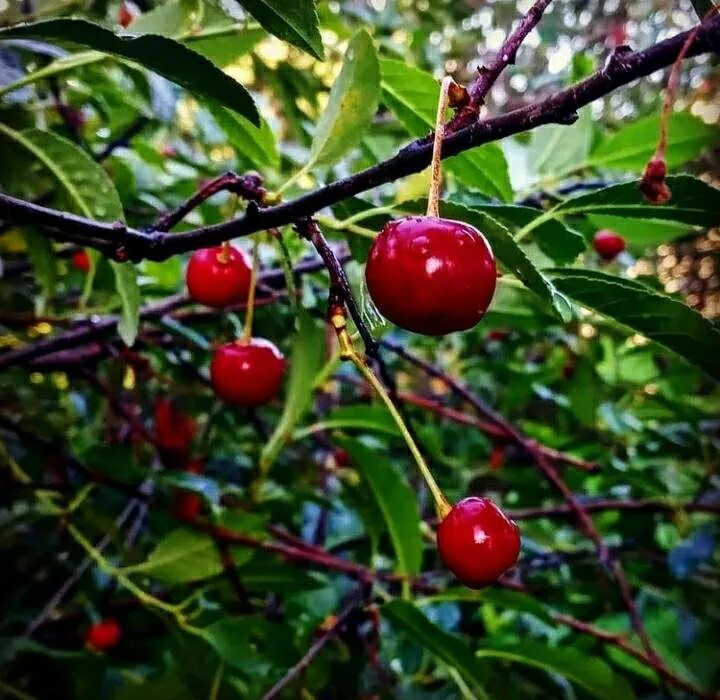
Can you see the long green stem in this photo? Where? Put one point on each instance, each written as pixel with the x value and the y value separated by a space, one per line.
pixel 435 167
pixel 348 352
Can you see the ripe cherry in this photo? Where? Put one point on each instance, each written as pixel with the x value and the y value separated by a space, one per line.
pixel 608 245
pixel 127 12
pixel 247 373
pixel 218 276
pixel 431 275
pixel 103 635
pixel 478 542
pixel 81 261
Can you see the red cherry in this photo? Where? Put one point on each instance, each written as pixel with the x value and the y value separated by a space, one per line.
pixel 478 542
pixel 103 635
pixel 218 276
pixel 608 245
pixel 127 12
pixel 81 261
pixel 174 430
pixel 247 374
pixel 430 275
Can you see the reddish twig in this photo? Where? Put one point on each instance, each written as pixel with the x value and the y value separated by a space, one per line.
pixel 623 643
pixel 328 633
pixel 600 506
pixel 248 186
pixel 489 74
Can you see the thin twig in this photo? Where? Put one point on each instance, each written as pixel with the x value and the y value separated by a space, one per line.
pixel 315 648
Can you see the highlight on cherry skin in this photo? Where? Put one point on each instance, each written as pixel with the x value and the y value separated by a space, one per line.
pixel 431 275
pixel 219 276
pixel 608 244
pixel 247 373
pixel 103 635
pixel 478 542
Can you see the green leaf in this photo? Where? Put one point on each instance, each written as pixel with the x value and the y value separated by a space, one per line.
pixel 667 321
pixel 223 50
pixel 396 501
pixel 183 556
pixel 412 95
pixel 160 54
pixel 553 237
pixel 42 256
pixel 559 149
pixel 449 648
pixel 306 362
pixel 257 144
pixel 127 287
pixel 295 22
pixel 168 19
pixel 352 104
pixel 278 578
pixel 86 189
pixel 367 418
pixel 693 202
pixel 505 249
pixel 590 673
pixel 500 597
pixel 631 146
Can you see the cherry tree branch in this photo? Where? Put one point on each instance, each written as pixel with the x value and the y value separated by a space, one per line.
pixel 623 67
pixel 316 647
pixel 489 74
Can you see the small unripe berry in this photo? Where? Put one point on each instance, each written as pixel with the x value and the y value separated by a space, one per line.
pixel 478 542
pixel 218 277
pixel 247 373
pixel 103 635
pixel 608 244
pixel 431 275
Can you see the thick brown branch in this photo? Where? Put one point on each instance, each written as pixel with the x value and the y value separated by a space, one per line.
pixel 622 68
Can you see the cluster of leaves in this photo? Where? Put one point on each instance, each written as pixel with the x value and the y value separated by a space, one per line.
pixel 581 356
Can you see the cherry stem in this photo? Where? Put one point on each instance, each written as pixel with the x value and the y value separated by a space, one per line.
pixel 348 352
pixel 433 208
pixel 250 313
pixel 672 84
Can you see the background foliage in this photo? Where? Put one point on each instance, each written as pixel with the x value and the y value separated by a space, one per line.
pixel 607 363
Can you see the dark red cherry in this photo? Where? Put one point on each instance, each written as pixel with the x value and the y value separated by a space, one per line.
pixel 608 245
pixel 81 261
pixel 219 276
pixel 103 635
pixel 478 542
pixel 174 429
pixel 247 373
pixel 430 275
